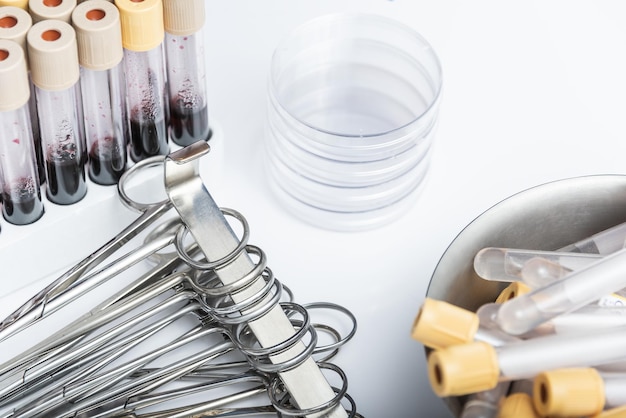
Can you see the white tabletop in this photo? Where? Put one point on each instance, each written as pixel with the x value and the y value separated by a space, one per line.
pixel 533 92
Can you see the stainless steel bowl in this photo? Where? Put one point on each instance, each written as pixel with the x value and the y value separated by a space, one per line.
pixel 545 217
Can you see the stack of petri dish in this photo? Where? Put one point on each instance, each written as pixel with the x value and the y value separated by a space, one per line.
pixel 352 114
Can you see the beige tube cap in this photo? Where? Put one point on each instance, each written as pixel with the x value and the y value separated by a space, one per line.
pixel 440 324
pixel 618 412
pixel 53 55
pixel 513 290
pixel 142 24
pixel 15 24
pixel 517 405
pixel 98 34
pixel 22 4
pixel 13 76
pixel 51 9
pixel 183 17
pixel 463 369
pixel 569 392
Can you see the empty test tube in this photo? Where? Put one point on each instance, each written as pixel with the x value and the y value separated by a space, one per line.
pixel 144 64
pixel 55 72
pixel 578 392
pixel 186 76
pixel 506 264
pixel 21 195
pixel 51 9
pixel 603 242
pixel 478 366
pixel 100 53
pixel 575 290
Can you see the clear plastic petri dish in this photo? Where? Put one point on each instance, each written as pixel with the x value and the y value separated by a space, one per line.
pixel 352 113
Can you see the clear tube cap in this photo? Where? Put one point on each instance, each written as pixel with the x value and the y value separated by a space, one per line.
pixel 463 369
pixel 440 324
pixel 569 392
pixel 13 76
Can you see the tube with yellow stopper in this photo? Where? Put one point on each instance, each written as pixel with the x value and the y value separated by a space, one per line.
pixel 476 366
pixel 517 405
pixel 578 391
pixel 144 65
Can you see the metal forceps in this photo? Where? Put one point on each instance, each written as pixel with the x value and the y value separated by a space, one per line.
pixel 37 307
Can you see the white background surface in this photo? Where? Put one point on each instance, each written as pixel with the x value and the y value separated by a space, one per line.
pixel 534 91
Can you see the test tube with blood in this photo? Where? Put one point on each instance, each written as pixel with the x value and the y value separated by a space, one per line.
pixel 15 22
pixel 21 195
pixel 55 72
pixel 100 54
pixel 186 76
pixel 144 65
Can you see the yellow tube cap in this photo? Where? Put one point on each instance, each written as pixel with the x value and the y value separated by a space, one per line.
pixel 142 24
pixel 51 9
pixel 569 392
pixel 517 405
pixel 618 412
pixel 463 369
pixel 513 290
pixel 13 76
pixel 22 4
pixel 440 324
pixel 15 24
pixel 98 34
pixel 183 17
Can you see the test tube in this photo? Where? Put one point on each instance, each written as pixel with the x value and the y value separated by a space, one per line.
pixel 186 76
pixel 144 65
pixel 55 72
pixel 506 264
pixel 477 366
pixel 15 22
pixel 578 391
pixel 579 288
pixel 100 54
pixel 21 195
pixel 51 9
pixel 604 242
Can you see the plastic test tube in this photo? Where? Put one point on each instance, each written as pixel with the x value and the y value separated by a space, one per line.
pixel 578 392
pixel 477 366
pixel 51 9
pixel 579 288
pixel 603 242
pixel 144 65
pixel 21 195
pixel 506 264
pixel 15 22
pixel 186 76
pixel 55 71
pixel 100 54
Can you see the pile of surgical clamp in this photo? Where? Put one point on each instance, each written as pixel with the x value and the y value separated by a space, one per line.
pixel 250 343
